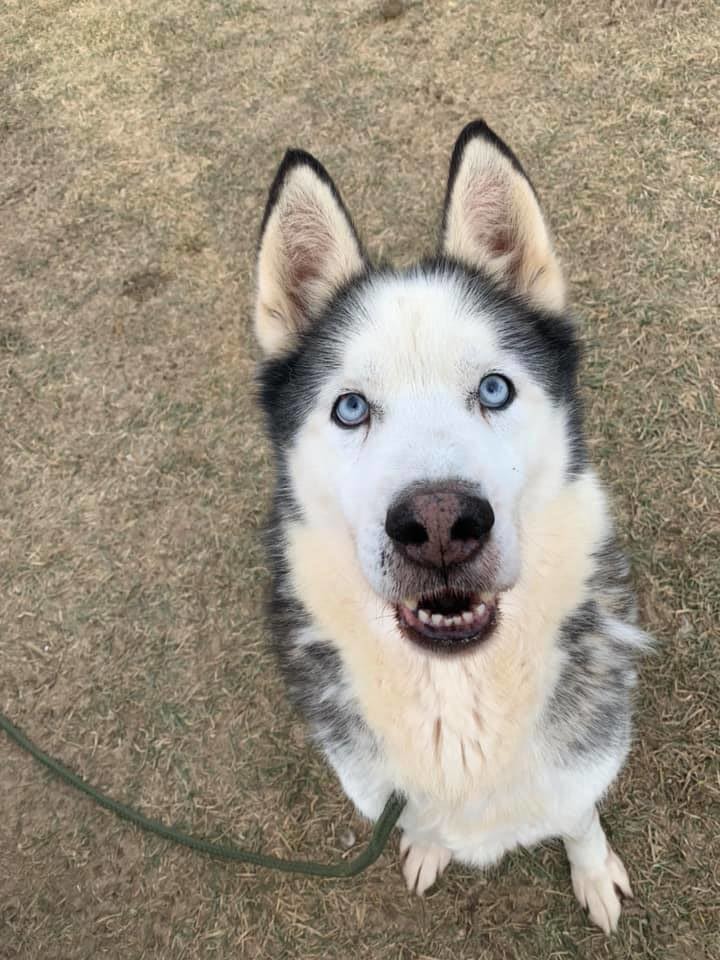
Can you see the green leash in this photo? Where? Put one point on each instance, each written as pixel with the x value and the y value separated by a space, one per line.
pixel 221 851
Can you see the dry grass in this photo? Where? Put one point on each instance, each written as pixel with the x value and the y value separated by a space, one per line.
pixel 137 140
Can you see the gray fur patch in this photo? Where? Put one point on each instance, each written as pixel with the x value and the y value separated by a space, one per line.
pixel 312 669
pixel 610 584
pixel 590 709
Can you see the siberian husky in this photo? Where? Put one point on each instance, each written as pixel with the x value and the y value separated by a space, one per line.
pixel 449 606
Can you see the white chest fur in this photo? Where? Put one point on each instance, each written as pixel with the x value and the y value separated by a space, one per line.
pixel 458 732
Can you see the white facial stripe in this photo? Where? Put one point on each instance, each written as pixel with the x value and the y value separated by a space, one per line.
pixel 419 335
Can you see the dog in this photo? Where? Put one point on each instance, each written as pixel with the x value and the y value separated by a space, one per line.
pixel 449 605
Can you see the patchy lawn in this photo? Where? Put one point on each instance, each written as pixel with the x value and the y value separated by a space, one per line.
pixel 137 141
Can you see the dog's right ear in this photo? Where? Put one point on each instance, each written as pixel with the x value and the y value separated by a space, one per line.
pixel 308 250
pixel 493 220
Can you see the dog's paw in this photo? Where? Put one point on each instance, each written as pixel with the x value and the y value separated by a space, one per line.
pixel 598 891
pixel 422 865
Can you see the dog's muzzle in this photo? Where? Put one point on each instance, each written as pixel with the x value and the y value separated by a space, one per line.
pixel 442 529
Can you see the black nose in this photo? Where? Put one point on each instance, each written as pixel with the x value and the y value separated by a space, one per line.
pixel 439 526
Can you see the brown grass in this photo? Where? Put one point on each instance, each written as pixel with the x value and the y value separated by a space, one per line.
pixel 137 140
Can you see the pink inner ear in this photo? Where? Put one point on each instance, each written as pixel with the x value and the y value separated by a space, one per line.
pixel 308 245
pixel 303 266
pixel 502 242
pixel 488 209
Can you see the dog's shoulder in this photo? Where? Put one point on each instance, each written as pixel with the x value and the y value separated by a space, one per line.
pixel 598 645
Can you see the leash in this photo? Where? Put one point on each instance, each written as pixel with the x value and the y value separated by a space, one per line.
pixel 347 868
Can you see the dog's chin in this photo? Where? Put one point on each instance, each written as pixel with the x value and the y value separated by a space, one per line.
pixel 448 622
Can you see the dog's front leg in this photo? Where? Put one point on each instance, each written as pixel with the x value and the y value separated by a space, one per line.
pixel 423 863
pixel 598 875
pixel 422 860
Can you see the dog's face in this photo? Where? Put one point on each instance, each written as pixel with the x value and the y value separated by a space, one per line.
pixel 425 413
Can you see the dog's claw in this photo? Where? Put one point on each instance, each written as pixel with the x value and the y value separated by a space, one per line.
pixel 422 865
pixel 599 891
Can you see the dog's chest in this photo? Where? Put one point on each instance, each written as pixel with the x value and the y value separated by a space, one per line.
pixel 453 729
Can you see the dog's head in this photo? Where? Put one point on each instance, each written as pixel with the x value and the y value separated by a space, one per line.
pixel 428 412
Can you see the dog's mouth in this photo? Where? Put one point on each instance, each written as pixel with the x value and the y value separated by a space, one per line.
pixel 448 622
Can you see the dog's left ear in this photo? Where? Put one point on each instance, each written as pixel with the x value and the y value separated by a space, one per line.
pixel 492 219
pixel 308 250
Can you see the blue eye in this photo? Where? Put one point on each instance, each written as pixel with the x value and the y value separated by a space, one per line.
pixel 495 391
pixel 351 410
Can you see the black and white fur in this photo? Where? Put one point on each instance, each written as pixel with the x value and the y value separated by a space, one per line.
pixel 514 736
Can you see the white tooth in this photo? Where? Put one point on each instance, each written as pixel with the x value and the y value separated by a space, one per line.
pixel 423 616
pixel 479 610
pixel 437 619
pixel 468 617
pixel 456 621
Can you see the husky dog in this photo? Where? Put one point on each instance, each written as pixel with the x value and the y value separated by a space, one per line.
pixel 449 606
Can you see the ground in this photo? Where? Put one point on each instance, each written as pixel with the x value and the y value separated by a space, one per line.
pixel 137 141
